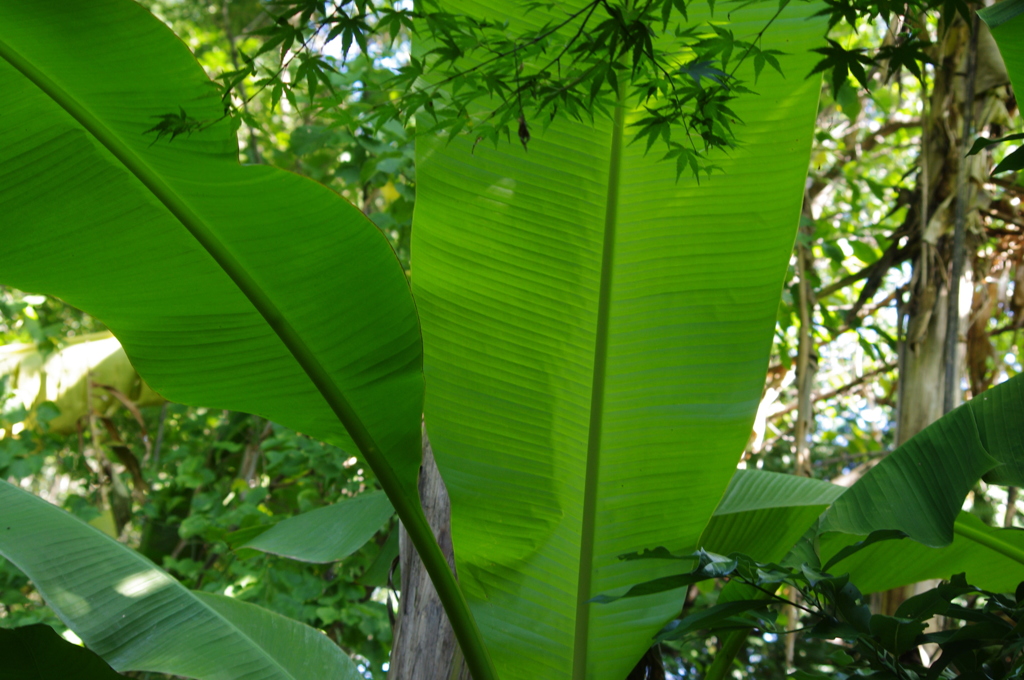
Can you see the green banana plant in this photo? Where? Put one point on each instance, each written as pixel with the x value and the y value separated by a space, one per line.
pixel 155 225
pixel 595 334
pixel 202 268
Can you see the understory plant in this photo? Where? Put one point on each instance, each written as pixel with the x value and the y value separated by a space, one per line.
pixel 978 636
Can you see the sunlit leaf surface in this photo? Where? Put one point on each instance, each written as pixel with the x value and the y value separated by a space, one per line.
pixel 595 337
pixel 137 617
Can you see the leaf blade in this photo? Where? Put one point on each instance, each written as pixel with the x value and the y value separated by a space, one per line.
pixel 74 104
pixel 36 652
pixel 509 250
pixel 327 534
pixel 128 243
pixel 137 617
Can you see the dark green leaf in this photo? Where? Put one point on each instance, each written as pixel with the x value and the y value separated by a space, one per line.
pixel 873 537
pixel 986 142
pixel 935 601
pixel 1015 161
pixel 711 617
pixel 659 585
pixel 377 573
pixel 896 635
pixel 703 69
pixel 37 653
pixel 327 534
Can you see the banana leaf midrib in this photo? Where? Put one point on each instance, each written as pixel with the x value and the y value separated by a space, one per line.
pixel 990 542
pixel 583 594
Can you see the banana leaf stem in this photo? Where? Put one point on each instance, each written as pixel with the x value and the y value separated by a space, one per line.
pixel 989 541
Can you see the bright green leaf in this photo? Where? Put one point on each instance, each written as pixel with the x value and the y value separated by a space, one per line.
pixel 596 336
pixel 36 652
pixel 137 617
pixel 1013 161
pixel 896 635
pixel 762 514
pixel 327 534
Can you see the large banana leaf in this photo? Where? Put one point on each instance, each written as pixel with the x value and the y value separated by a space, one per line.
pixel 763 514
pixel 919 490
pixel 137 617
pixel 1006 20
pixel 595 338
pixel 920 487
pixel 238 287
pixel 247 288
pixel 891 564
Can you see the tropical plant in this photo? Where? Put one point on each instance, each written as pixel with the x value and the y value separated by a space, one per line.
pixel 859 642
pixel 587 389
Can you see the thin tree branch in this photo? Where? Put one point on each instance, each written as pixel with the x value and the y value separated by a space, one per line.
pixel 901 255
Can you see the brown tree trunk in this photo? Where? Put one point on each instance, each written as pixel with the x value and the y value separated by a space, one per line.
pixel 922 380
pixel 945 173
pixel 425 647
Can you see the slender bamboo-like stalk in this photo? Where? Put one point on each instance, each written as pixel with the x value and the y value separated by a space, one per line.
pixel 951 384
pixel 805 366
pixel 1011 506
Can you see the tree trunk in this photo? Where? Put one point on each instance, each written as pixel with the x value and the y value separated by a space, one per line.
pixel 806 362
pixel 925 360
pixel 425 647
pixel 922 381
